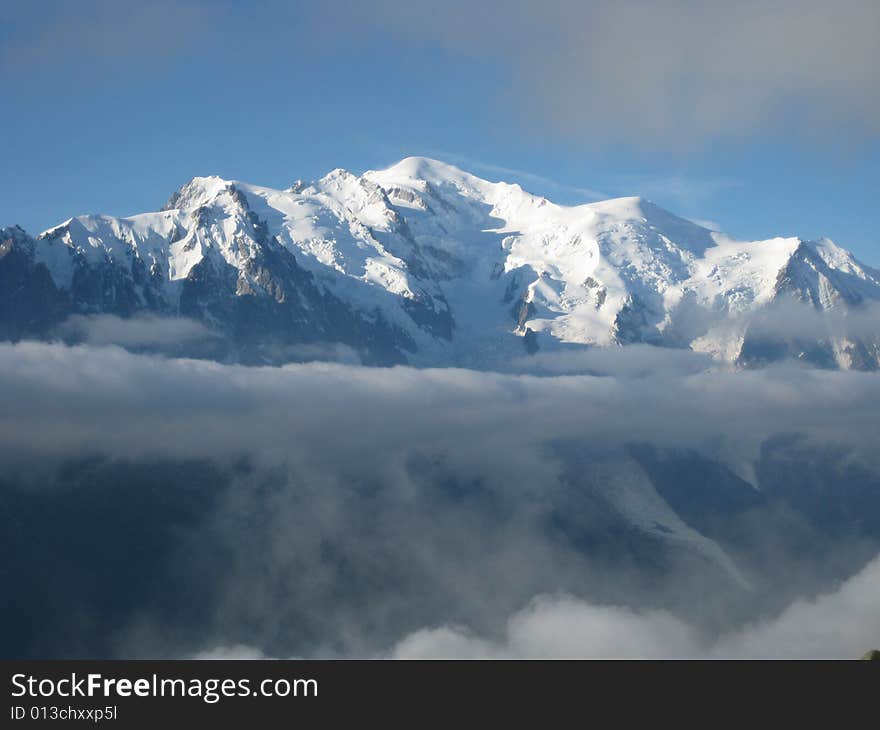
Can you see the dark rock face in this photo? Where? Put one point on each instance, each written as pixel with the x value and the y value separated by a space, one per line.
pixel 704 493
pixel 835 494
pixel 122 288
pixel 759 350
pixel 273 304
pixel 30 303
pixel 635 323
pixel 522 311
pixel 438 322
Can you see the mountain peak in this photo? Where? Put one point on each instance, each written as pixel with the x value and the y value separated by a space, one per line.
pixel 686 234
pixel 196 192
pixel 425 170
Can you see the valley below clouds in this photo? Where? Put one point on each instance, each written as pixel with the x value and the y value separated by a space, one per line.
pixel 624 502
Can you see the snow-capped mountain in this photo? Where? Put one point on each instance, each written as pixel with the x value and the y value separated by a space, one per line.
pixel 427 264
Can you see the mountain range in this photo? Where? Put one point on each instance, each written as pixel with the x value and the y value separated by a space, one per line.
pixel 423 263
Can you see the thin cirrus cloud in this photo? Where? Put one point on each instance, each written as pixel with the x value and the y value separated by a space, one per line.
pixel 535 183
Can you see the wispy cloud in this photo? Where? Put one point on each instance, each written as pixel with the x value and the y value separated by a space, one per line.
pixel 711 225
pixel 682 191
pixel 535 183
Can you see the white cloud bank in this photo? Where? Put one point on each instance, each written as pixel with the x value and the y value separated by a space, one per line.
pixel 348 510
pixel 840 625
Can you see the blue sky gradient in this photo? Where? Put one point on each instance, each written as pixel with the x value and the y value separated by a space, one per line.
pixel 110 107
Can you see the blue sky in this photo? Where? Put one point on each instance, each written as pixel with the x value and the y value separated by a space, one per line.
pixel 763 124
